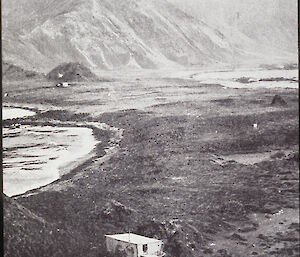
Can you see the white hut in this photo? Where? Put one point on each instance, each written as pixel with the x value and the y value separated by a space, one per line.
pixel 63 84
pixel 134 245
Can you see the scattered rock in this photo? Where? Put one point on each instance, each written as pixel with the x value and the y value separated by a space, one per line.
pixel 171 231
pixel 208 251
pixel 247 229
pixel 246 80
pixel 156 229
pixel 278 101
pixel 292 66
pixel 294 226
pixel 223 253
pixel 116 211
pixel 293 157
pixel 263 237
pixel 251 207
pixel 238 237
pixel 278 155
pixel 270 209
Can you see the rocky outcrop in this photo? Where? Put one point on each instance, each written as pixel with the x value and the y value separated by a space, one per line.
pixel 115 211
pixel 278 101
pixel 71 72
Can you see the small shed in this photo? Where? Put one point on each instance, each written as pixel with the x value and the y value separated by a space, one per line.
pixel 65 84
pixel 134 245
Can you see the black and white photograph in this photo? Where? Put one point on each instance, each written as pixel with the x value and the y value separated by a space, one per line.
pixel 150 128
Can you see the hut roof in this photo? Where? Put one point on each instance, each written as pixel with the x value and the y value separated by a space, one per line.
pixel 133 238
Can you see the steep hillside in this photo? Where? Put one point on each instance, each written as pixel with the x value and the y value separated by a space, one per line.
pixel 26 234
pixel 135 34
pixel 107 34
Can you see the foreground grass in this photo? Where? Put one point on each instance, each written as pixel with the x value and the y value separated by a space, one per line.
pixel 164 181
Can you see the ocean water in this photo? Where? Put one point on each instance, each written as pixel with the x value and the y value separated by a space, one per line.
pixel 34 156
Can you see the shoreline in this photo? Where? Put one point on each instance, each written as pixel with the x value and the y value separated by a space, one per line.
pixel 66 167
pixel 54 155
pixel 65 181
pixel 10 115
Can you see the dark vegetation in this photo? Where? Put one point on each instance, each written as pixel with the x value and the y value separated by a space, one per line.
pixel 146 201
pixel 278 79
pixel 33 235
pixel 287 66
pixel 71 72
pixel 16 73
pixel 245 80
pixel 163 183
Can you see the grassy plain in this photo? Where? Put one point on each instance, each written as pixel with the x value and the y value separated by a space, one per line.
pixel 168 178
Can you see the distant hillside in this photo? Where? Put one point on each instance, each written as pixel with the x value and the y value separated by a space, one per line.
pixel 13 72
pixel 71 72
pixel 259 26
pixel 139 34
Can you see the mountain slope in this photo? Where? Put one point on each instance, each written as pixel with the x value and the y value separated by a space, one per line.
pixel 132 34
pixel 107 34
pixel 266 26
